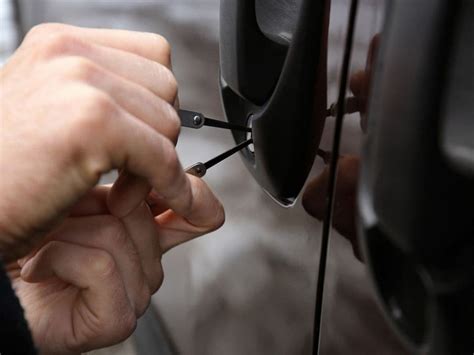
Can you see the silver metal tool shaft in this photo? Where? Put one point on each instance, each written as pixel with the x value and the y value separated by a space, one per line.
pixel 196 120
pixel 200 169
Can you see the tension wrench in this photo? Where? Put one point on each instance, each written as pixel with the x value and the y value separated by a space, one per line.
pixel 196 120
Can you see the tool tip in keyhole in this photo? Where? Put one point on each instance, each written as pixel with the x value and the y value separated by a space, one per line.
pixel 251 147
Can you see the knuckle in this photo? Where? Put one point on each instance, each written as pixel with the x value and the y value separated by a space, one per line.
pixel 58 43
pixel 157 279
pixel 44 29
pixel 52 246
pixel 144 300
pixel 173 124
pixel 164 49
pixel 96 109
pixel 164 45
pixel 117 326
pixel 114 232
pixel 81 68
pixel 170 159
pixel 170 83
pixel 215 210
pixel 86 131
pixel 128 325
pixel 187 197
pixel 173 86
pixel 102 264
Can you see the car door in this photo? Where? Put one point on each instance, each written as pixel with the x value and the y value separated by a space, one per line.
pixel 351 320
pixel 346 316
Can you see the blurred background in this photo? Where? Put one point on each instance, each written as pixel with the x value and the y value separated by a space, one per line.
pixel 248 288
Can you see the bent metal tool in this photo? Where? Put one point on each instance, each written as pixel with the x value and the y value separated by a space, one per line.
pixel 196 120
pixel 200 169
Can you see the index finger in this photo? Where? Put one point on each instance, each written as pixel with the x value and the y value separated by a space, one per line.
pixel 148 45
pixel 206 215
pixel 145 44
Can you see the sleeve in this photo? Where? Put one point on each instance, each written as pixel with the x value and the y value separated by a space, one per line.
pixel 15 336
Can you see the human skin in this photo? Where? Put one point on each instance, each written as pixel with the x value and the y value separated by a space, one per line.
pixel 314 197
pixel 84 260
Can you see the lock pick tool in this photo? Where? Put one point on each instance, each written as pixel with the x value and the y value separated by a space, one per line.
pixel 196 120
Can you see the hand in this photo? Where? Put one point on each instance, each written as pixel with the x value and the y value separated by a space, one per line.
pixel 92 277
pixel 360 82
pixel 76 103
pixel 314 198
pixel 343 220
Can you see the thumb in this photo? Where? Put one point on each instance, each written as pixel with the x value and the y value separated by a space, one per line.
pixel 103 314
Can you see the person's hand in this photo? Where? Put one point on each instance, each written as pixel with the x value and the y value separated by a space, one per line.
pixel 314 198
pixel 343 219
pixel 93 276
pixel 360 81
pixel 76 103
